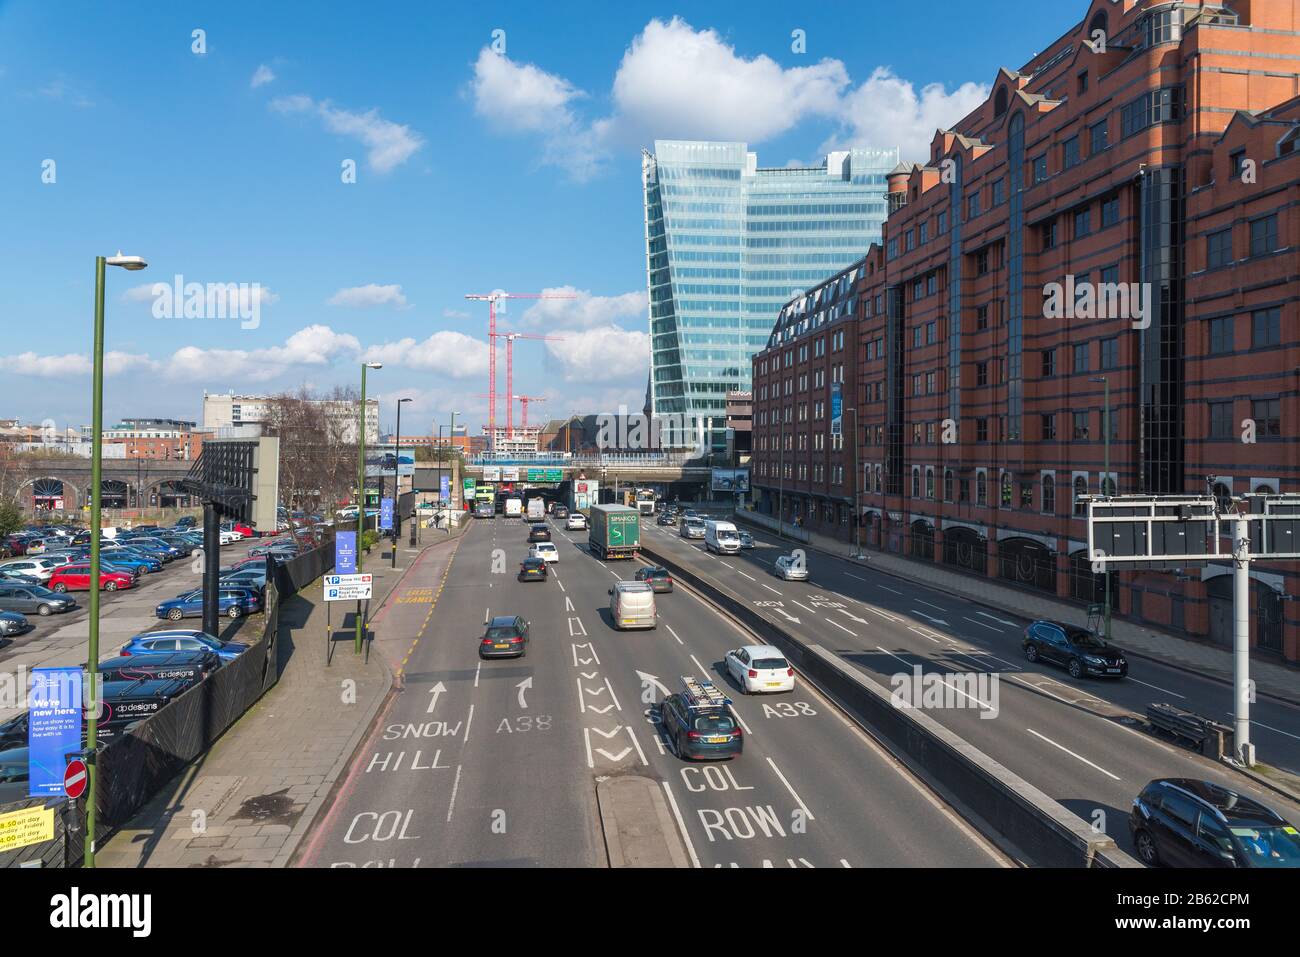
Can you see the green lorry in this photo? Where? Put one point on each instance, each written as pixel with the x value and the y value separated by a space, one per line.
pixel 615 531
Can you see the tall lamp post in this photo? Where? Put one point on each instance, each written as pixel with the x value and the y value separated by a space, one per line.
pixel 857 491
pixel 1105 475
pixel 361 486
pixel 131 263
pixel 397 482
pixel 451 437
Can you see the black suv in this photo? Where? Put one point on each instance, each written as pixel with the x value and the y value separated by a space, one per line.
pixel 698 722
pixel 539 533
pixel 666 518
pixel 532 570
pixel 506 637
pixel 1077 649
pixel 1180 822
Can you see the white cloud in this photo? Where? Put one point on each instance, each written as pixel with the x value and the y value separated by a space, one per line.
pixel 886 111
pixel 583 310
pixel 261 76
pixel 71 365
pixel 388 144
pixel 677 82
pixel 600 355
pixel 314 345
pixel 369 295
pixel 446 352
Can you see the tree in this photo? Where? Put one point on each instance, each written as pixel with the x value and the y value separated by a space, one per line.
pixel 11 517
pixel 318 451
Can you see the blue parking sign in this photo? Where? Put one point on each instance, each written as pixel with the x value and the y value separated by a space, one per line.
pixel 345 553
pixel 386 514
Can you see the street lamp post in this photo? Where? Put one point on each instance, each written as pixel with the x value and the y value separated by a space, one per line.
pixel 1105 477
pixel 397 483
pixel 451 437
pixel 361 488
pixel 131 263
pixel 857 491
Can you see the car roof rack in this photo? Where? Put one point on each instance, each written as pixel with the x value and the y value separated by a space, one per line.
pixel 703 694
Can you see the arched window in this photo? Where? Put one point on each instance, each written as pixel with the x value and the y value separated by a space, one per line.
pixel 981 488
pixel 1080 490
pixel 879 482
pixel 1108 485
pixel 1222 495
pixel 916 483
pixel 1000 102
pixel 1006 490
pixel 1265 490
pixel 947 485
pixel 1049 495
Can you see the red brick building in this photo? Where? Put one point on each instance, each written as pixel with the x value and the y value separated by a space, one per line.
pixel 1121 212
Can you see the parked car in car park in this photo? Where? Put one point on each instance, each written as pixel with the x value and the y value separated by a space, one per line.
pixel 36 599
pixel 12 623
pixel 1182 822
pixel 189 666
pixel 77 578
pixel 231 601
pixel 1078 650
pixel 37 567
pixel 183 640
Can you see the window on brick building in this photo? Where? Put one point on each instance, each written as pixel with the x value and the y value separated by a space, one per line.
pixel 1082 222
pixel 916 482
pixel 981 488
pixel 1110 353
pixel 1220 335
pixel 1048 420
pixel 1047 234
pixel 1081 358
pixel 1049 363
pixel 1098 137
pixel 1221 426
pixel 1110 211
pixel 1080 490
pixel 1080 431
pixel 973 205
pixel 1266 328
pixel 947 485
pixel 999 191
pixel 1267 414
pixel 981 317
pixel 1049 495
pixel 982 262
pixel 981 430
pixel 1070 153
pixel 1040 169
pixel 1026 494
pixel 981 373
pixel 1218 248
pixel 1081 85
pixel 941 224
pixel 1005 490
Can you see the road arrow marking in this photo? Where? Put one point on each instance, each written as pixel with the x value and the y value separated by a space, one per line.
pixel 590 674
pixel 436 691
pixel 854 617
pixel 995 618
pixel 615 757
pixel 647 679
pixel 522 686
pixel 617 729
pixel 788 616
pixel 937 621
pixel 605 710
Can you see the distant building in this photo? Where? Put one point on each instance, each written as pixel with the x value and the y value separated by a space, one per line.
pixel 226 409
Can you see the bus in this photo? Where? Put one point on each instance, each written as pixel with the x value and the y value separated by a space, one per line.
pixel 645 501
pixel 486 493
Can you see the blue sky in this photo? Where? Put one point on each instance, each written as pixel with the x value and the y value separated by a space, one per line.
pixel 477 168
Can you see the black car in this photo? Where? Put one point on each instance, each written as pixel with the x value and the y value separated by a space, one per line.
pixel 1181 822
pixel 660 578
pixel 539 533
pixel 561 512
pixel 188 666
pixel 698 722
pixel 666 518
pixel 12 623
pixel 533 570
pixel 506 637
pixel 13 733
pixel 1076 649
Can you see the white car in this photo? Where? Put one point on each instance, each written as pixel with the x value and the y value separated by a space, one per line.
pixel 793 568
pixel 759 669
pixel 229 537
pixel 545 550
pixel 41 568
pixel 576 520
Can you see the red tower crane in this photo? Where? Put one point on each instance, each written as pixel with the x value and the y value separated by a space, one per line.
pixel 510 338
pixel 523 403
pixel 492 298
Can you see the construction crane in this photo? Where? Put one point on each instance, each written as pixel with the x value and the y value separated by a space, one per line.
pixel 510 338
pixel 523 402
pixel 492 298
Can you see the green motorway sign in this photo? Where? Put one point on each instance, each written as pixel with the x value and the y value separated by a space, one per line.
pixel 546 475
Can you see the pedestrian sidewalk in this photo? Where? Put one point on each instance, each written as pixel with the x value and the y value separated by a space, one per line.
pixel 250 800
pixel 1276 680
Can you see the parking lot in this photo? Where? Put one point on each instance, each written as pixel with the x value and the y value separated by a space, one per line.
pixel 61 639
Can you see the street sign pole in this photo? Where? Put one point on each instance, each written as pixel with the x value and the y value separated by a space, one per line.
pixel 1245 751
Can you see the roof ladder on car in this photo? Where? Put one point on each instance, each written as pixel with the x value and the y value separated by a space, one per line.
pixel 704 693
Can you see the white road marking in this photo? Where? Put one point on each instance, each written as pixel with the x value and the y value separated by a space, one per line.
pixel 477 669
pixel 840 627
pixel 703 670
pixel 561 584
pixel 681 825
pixel 1158 688
pixel 773 590
pixel 803 606
pixel 673 633
pixel 750 577
pixel 632 735
pixel 455 786
pixel 1269 726
pixel 882 614
pixel 797 799
pixel 982 625
pixel 929 605
pixel 886 588
pixel 468 722
pixel 728 564
pixel 1072 754
pixel 924 635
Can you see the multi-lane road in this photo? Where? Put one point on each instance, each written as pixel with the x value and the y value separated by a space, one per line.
pixel 1075 740
pixel 497 763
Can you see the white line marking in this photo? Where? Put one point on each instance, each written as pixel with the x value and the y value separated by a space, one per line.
pixel 1072 754
pixel 929 605
pixel 455 786
pixel 982 625
pixel 887 588
pixel 924 635
pixel 632 735
pixel 1269 726
pixel 586 737
pixel 797 799
pixel 1158 688
pixel 771 589
pixel 561 584
pixel 703 670
pixel 882 614
pixel 804 607
pixel 477 669
pixel 750 577
pixel 840 627
pixel 673 633
pixel 681 825
pixel 728 564
pixel 468 722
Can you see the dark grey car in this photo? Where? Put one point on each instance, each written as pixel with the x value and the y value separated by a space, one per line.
pixel 33 598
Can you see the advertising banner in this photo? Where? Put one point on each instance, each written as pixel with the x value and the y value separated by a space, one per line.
pixel 386 513
pixel 345 553
pixel 730 480
pixel 382 459
pixel 491 473
pixel 53 727
pixel 837 408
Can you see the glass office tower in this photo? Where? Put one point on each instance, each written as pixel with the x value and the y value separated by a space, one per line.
pixel 727 244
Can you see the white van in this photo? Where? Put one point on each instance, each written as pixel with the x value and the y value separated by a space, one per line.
pixel 514 507
pixel 632 605
pixel 536 510
pixel 721 537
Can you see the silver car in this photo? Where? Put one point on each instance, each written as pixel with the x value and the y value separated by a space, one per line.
pixel 793 567
pixel 692 528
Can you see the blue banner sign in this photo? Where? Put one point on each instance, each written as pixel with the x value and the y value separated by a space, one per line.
pixel 53 727
pixel 345 553
pixel 386 514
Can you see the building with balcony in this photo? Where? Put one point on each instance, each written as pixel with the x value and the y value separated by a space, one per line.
pixel 1119 216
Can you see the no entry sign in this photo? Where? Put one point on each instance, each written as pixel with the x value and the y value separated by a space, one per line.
pixel 74 778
